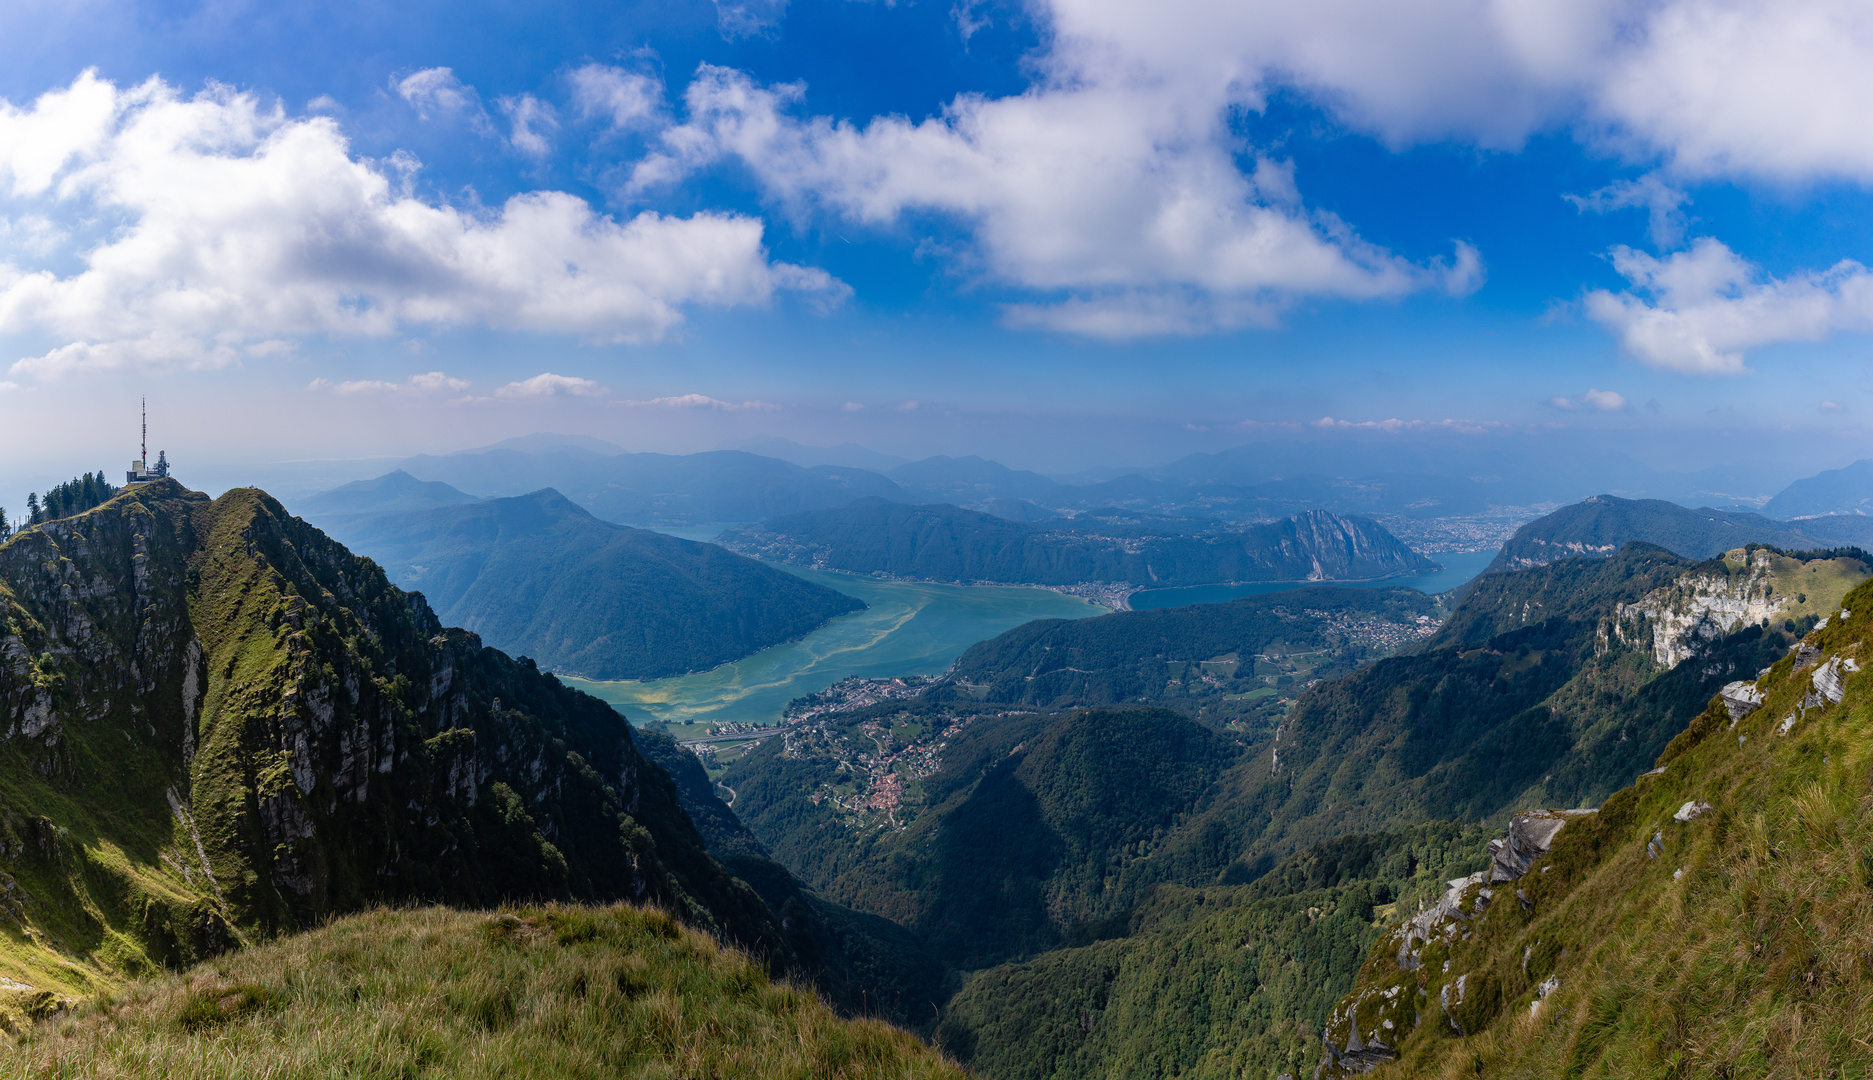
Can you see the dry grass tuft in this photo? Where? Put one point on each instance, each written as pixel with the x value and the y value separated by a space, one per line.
pixel 534 992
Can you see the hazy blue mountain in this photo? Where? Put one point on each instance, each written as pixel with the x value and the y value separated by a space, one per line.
pixel 541 441
pixel 392 493
pixel 848 455
pixel 1847 490
pixel 656 489
pixel 536 575
pixel 1603 524
pixel 940 542
pixel 973 479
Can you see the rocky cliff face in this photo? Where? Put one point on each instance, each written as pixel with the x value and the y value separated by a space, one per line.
pixel 1744 588
pixel 216 723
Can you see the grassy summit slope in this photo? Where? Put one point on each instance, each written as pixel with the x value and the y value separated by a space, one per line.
pixel 537 575
pixel 1715 919
pixel 537 992
pixel 219 725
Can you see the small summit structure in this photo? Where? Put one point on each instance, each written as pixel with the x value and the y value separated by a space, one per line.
pixel 141 472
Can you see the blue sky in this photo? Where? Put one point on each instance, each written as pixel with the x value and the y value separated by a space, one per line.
pixel 1063 233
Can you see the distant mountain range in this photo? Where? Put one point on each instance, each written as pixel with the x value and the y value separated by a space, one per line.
pixel 1846 490
pixel 1420 477
pixel 1602 525
pixel 946 543
pixel 536 575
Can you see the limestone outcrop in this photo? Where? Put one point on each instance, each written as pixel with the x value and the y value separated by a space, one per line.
pixel 1702 606
pixel 1362 1031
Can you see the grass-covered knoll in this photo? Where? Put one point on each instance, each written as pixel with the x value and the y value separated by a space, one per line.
pixel 1737 942
pixel 538 576
pixel 559 992
pixel 1213 982
pixel 939 542
pixel 1233 662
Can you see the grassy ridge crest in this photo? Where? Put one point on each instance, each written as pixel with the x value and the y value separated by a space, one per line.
pixel 543 991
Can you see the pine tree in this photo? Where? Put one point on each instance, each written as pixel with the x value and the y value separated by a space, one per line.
pixel 33 514
pixel 6 527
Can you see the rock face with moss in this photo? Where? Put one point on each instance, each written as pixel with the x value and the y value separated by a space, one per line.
pixel 219 724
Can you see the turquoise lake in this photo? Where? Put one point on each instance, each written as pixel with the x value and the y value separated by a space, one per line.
pixel 909 628
pixel 1459 567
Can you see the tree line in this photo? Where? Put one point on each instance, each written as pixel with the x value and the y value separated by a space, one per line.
pixel 74 496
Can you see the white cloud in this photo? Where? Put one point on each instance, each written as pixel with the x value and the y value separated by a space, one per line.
pixel 427 382
pixel 1663 203
pixel 624 99
pixel 548 384
pixel 853 406
pixel 1833 406
pixel 1774 89
pixel 1394 425
pixel 1593 398
pixel 6 387
pixel 1698 311
pixel 239 228
pixel 435 93
pixel 436 380
pixel 1122 194
pixel 533 121
pixel 748 18
pixel 703 401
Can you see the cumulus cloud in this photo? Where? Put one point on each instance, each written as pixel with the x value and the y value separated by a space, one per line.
pixel 1114 186
pixel 1762 88
pixel 238 226
pixel 532 122
pixel 703 401
pixel 1593 398
pixel 1123 195
pixel 1698 311
pixel 548 384
pixel 623 99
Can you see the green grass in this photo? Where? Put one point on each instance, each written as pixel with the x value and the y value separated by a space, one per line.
pixel 530 992
pixel 1756 961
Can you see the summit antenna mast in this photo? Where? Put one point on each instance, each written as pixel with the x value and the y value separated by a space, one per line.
pixel 145 445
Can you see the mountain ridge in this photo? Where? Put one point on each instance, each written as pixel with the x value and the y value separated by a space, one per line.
pixel 943 542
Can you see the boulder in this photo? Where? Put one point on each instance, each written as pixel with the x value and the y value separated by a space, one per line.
pixel 1741 698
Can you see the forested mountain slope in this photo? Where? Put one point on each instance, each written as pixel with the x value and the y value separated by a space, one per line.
pixel 538 576
pixel 1544 687
pixel 1237 662
pixel 1715 918
pixel 219 725
pixel 946 543
pixel 1603 524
